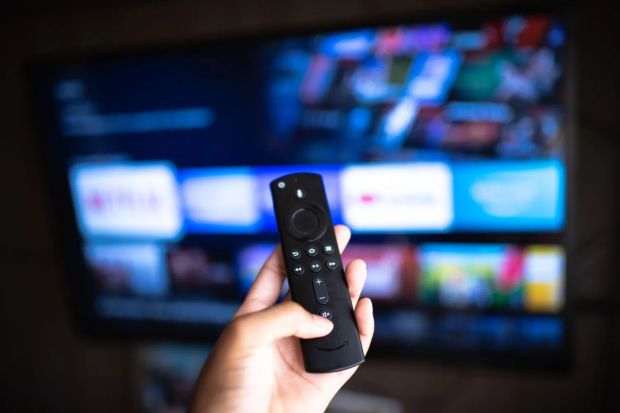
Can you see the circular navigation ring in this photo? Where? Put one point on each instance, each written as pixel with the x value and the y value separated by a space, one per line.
pixel 306 223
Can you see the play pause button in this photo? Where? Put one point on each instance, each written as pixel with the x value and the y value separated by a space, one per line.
pixel 315 266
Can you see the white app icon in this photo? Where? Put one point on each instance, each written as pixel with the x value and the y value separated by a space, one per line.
pixel 127 200
pixel 397 197
pixel 222 198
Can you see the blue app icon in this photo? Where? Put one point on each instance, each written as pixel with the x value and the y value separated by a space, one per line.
pixel 509 196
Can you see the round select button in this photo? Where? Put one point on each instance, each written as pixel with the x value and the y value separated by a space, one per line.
pixel 305 221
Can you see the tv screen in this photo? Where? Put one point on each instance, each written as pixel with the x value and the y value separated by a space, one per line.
pixel 441 145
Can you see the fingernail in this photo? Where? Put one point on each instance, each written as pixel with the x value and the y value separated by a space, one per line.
pixel 323 322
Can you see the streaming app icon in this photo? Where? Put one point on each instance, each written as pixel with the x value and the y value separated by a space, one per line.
pixel 518 196
pixel 220 199
pixel 126 200
pixel 397 197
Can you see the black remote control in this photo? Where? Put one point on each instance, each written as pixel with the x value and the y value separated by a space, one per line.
pixel 314 268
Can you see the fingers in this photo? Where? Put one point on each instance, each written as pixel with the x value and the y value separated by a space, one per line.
pixel 343 236
pixel 355 275
pixel 267 286
pixel 365 322
pixel 283 320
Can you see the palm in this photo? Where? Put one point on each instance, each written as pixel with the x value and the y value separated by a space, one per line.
pixel 291 386
pixel 290 373
pixel 266 373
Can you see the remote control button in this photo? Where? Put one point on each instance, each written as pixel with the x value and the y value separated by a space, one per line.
pixel 320 290
pixel 299 270
pixel 331 264
pixel 312 251
pixel 315 266
pixel 326 313
pixel 295 254
pixel 305 221
pixel 328 249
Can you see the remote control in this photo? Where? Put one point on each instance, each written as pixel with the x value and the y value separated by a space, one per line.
pixel 314 269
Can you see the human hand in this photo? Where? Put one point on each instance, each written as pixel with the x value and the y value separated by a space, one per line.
pixel 257 365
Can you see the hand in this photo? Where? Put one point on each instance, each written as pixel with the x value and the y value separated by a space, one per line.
pixel 257 365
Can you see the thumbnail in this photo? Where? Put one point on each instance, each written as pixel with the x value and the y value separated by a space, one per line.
pixel 194 271
pixel 130 200
pixel 125 268
pixel 492 276
pixel 432 75
pixel 406 92
pixel 397 197
pixel 391 270
pixel 460 276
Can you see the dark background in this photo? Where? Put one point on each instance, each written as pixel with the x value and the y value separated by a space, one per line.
pixel 45 365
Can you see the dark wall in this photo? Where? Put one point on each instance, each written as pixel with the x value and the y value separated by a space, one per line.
pixel 46 366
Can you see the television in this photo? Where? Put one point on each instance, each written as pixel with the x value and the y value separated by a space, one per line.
pixel 442 145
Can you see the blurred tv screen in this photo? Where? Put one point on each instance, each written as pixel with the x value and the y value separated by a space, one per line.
pixel 441 145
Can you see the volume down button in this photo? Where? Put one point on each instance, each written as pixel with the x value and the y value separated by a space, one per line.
pixel 320 290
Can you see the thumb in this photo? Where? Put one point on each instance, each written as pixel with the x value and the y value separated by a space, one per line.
pixel 283 320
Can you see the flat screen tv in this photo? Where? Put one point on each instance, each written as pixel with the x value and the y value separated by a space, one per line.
pixel 442 145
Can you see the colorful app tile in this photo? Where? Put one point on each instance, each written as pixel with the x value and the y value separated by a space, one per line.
pixel 397 197
pixel 479 112
pixel 479 76
pixel 544 278
pixel 220 200
pixel 390 269
pixel 128 268
pixel 509 196
pixel 412 39
pixel 129 200
pixel 351 44
pixel 469 40
pixel 541 332
pixel 432 75
pixel 397 122
pixel 526 31
pixel 193 271
pixel 318 79
pixel 369 82
pixel 459 275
